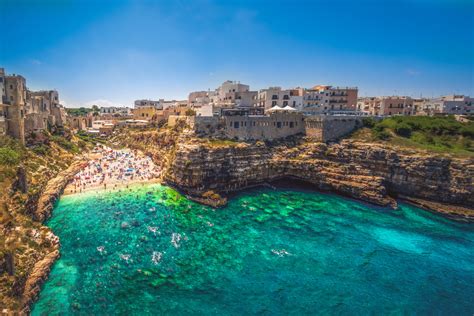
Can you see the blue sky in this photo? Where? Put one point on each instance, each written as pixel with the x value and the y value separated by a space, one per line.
pixel 113 52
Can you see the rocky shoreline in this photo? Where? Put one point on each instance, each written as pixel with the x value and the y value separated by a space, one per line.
pixel 42 211
pixel 372 173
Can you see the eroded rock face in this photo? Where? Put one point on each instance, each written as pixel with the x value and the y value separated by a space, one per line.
pixel 55 187
pixel 369 172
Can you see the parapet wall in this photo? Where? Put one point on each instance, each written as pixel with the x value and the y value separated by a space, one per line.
pixel 330 128
pixel 270 127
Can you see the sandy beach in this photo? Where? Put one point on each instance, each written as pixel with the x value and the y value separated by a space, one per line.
pixel 111 169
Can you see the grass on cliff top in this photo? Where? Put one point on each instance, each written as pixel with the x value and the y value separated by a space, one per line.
pixel 443 135
pixel 221 142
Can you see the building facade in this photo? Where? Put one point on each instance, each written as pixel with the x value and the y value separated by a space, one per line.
pixel 44 111
pixel 326 128
pixel 387 106
pixel 451 104
pixel 323 99
pixel 273 96
pixel 115 110
pixel 13 104
pixel 148 103
pixel 232 93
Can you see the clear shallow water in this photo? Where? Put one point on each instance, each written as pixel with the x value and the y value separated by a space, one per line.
pixel 151 251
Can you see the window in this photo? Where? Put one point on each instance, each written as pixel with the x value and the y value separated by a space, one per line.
pixel 274 97
pixel 236 124
pixel 274 103
pixel 278 124
pixel 11 86
pixel 285 103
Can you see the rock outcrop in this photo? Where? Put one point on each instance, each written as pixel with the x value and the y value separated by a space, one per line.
pixel 38 276
pixel 54 189
pixel 370 172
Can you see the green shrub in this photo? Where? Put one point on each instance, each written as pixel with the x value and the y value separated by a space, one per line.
pixel 378 128
pixel 383 135
pixel 467 130
pixel 9 157
pixel 64 143
pixel 368 122
pixel 40 150
pixel 403 129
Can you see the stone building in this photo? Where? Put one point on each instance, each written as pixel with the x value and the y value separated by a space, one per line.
pixel 324 99
pixel 231 94
pixel 326 128
pixel 316 100
pixel 27 111
pixel 3 122
pixel 198 98
pixel 147 113
pixel 115 111
pixel 276 96
pixel 451 104
pixel 148 103
pixel 277 124
pixel 44 111
pixel 13 97
pixel 386 106
pixel 80 123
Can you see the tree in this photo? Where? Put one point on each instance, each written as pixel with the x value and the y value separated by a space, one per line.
pixel 190 112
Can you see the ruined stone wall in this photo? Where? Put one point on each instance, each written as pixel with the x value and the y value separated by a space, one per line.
pixel 205 125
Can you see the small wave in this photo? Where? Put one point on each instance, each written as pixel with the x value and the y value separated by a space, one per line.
pixel 152 229
pixel 156 257
pixel 125 257
pixel 280 252
pixel 175 239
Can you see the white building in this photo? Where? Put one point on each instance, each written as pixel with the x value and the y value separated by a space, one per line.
pixel 148 103
pixel 232 93
pixel 122 111
pixel 324 98
pixel 276 96
pixel 451 104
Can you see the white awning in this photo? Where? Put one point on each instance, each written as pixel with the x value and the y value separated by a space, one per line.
pixel 275 108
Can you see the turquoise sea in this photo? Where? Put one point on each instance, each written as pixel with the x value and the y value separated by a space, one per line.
pixel 149 251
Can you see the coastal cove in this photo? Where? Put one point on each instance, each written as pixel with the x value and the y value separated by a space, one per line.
pixel 149 250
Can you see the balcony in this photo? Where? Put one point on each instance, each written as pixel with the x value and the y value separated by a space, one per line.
pixel 338 101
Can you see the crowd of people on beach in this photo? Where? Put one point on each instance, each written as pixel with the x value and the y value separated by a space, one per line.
pixel 112 168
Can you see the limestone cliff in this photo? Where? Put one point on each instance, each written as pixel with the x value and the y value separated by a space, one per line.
pixel 29 186
pixel 369 172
